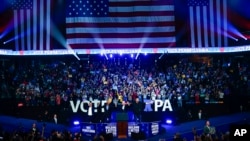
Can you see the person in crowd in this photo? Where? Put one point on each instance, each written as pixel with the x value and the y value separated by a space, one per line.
pixel 55 119
pixel 189 115
pixel 124 106
pixel 46 116
pixel 200 115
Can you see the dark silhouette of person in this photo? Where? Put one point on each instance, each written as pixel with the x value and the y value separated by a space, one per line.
pixel 137 108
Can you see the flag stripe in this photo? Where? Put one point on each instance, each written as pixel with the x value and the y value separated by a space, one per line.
pixel 35 27
pixel 29 30
pixel 205 25
pixel 119 19
pixel 114 3
pixel 121 30
pixel 22 28
pixel 129 14
pixel 16 29
pixel 120 23
pixel 225 22
pixel 212 23
pixel 32 24
pixel 141 9
pixel 41 24
pixel 206 19
pixel 121 45
pixel 191 18
pixel 218 22
pixel 48 24
pixel 120 35
pixel 121 40
pixel 198 21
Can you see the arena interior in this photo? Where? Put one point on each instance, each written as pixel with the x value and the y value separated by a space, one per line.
pixel 80 70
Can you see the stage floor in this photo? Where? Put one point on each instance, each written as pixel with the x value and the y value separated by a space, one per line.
pixel 167 132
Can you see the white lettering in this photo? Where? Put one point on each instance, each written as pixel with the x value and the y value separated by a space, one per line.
pixel 240 132
pixel 75 107
pixel 167 105
pixel 158 104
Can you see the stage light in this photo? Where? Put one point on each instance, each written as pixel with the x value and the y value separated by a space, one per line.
pixel 4 43
pixel 76 122
pixel 169 121
pixel 132 55
pixel 111 55
pixel 145 53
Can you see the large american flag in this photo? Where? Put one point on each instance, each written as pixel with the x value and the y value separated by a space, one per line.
pixel 32 24
pixel 120 24
pixel 208 23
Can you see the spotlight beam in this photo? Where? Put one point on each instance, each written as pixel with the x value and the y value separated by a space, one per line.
pixel 161 56
pixel 59 37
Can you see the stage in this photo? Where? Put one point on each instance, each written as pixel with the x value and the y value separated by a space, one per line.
pixel 166 131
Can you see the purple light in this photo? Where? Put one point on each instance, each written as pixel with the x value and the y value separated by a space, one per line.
pixel 76 122
pixel 169 121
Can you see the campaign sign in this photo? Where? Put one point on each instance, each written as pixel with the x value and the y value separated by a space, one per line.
pixel 239 132
pixel 133 127
pixel 88 129
pixel 111 128
pixel 155 128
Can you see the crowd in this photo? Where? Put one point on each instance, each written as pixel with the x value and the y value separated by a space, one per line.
pixel 54 83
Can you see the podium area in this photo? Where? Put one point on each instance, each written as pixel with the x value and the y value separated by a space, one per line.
pixel 121 125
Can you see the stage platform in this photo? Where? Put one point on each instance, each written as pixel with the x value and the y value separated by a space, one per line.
pixel 166 131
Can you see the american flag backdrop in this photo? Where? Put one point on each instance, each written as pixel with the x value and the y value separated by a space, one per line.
pixel 32 24
pixel 120 24
pixel 208 23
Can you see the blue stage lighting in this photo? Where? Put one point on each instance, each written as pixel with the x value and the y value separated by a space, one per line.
pixel 76 122
pixel 169 121
pixel 111 55
pixel 132 55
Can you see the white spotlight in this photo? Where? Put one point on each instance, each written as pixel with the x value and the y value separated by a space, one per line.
pixel 132 55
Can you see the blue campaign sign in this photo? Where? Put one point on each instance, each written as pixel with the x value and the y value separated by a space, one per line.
pixel 111 128
pixel 155 128
pixel 88 129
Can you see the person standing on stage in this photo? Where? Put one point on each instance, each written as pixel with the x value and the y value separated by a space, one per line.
pixel 137 109
pixel 108 106
pixel 90 111
pixel 208 130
